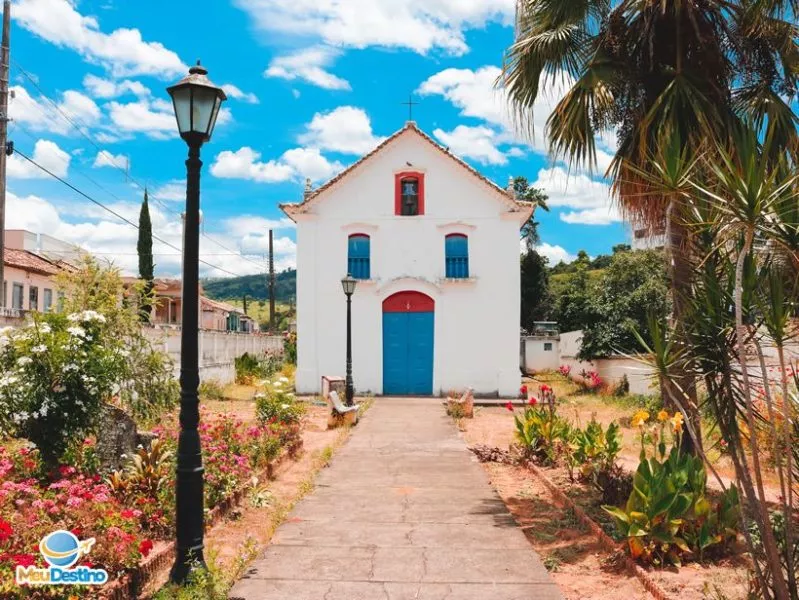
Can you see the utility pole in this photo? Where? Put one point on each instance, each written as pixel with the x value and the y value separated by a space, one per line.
pixel 4 67
pixel 271 284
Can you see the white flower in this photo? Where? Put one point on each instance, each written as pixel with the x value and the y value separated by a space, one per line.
pixel 284 406
pixel 70 367
pixel 45 328
pixel 59 388
pixel 260 395
pixel 278 384
pixel 284 379
pixel 115 389
pixel 76 331
pixel 74 317
pixel 24 360
pixel 40 349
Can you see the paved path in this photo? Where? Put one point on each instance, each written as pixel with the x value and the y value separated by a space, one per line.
pixel 403 513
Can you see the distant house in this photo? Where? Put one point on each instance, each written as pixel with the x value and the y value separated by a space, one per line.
pixel 32 261
pixel 214 315
pixel 29 283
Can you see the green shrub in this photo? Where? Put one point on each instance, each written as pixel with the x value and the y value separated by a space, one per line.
pixel 249 367
pixel 212 389
pixel 668 514
pixel 595 449
pixel 277 404
pixel 542 434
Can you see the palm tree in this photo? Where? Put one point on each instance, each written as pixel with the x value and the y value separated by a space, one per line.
pixel 652 71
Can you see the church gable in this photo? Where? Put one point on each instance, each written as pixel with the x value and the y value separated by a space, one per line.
pixel 397 178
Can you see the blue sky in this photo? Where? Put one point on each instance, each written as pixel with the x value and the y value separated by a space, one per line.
pixel 315 84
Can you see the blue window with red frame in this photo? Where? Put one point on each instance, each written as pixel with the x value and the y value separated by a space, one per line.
pixel 457 256
pixel 358 256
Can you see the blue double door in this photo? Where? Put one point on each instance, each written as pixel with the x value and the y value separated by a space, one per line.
pixel 408 353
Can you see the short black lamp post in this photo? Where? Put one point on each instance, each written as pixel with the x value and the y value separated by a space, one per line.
pixel 349 283
pixel 196 101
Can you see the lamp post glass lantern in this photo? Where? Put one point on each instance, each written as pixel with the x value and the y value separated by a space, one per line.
pixel 348 284
pixel 196 101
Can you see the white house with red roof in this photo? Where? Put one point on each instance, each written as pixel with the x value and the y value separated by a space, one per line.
pixel 435 248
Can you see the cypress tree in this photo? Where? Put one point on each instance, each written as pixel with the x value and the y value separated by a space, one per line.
pixel 144 247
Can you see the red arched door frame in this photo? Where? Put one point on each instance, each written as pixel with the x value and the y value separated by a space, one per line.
pixel 409 302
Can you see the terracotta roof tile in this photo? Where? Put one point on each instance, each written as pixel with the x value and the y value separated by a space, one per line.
pixel 294 208
pixel 28 261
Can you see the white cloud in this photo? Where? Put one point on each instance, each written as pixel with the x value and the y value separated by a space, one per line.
pixel 154 118
pixel 346 129
pixel 246 224
pixel 472 92
pixel 40 115
pixel 590 198
pixel 309 162
pixel 233 92
pixel 308 65
pixel 108 88
pixel 555 254
pixel 475 94
pixel 297 163
pixel 601 215
pixel 245 163
pixel 478 143
pixel 105 159
pixel 418 26
pixel 47 154
pixel 174 191
pixel 110 239
pixel 122 52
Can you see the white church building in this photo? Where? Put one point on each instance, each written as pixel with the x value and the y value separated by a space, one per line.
pixel 435 248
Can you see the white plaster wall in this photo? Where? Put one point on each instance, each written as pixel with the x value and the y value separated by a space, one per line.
pixel 641 377
pixel 476 320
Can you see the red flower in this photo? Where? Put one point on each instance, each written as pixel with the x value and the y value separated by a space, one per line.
pixel 127 514
pixel 523 390
pixel 145 547
pixel 546 388
pixel 25 560
pixel 6 531
pixel 76 532
pixel 509 406
pixel 533 400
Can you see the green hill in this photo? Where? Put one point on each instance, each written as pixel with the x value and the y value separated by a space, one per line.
pixel 254 286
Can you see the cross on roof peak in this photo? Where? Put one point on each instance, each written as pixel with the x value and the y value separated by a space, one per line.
pixel 410 104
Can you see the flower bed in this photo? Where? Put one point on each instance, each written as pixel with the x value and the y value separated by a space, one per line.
pixel 127 512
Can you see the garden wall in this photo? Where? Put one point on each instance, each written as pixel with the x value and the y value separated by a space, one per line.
pixel 218 349
pixel 612 370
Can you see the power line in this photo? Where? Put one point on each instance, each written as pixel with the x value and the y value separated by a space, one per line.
pixel 81 129
pixel 113 212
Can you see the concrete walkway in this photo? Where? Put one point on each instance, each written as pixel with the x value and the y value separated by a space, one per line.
pixel 403 513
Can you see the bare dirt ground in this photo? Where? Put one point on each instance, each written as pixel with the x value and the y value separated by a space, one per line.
pixel 578 564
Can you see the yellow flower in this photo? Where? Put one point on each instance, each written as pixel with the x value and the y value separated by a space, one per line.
pixel 663 416
pixel 676 420
pixel 640 418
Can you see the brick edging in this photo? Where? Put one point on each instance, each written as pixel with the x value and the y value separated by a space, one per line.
pixel 603 538
pixel 132 583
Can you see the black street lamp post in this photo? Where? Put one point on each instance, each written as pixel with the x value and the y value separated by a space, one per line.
pixel 196 101
pixel 349 283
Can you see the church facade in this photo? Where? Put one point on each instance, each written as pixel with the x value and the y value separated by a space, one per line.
pixel 434 246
